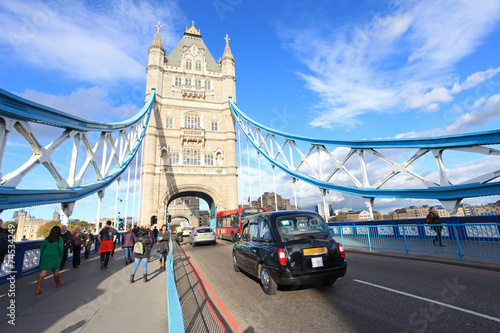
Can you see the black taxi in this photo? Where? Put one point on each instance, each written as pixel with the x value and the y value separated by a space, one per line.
pixel 288 248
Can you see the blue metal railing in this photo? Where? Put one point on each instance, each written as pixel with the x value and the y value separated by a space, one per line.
pixel 26 258
pixel 174 309
pixel 461 239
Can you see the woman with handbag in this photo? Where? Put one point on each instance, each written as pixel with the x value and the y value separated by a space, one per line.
pixel 163 238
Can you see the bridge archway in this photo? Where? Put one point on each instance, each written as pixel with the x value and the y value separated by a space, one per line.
pixel 208 194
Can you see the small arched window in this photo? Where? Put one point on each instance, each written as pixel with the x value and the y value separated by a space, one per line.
pixel 189 64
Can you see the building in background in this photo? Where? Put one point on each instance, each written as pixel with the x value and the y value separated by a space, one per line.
pixel 269 200
pixel 319 208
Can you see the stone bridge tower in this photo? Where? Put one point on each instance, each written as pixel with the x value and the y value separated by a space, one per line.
pixel 190 145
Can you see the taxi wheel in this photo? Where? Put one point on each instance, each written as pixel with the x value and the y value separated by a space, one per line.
pixel 235 264
pixel 329 282
pixel 266 281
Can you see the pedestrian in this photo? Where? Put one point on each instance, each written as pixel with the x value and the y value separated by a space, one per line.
pixel 128 244
pixel 106 239
pixel 4 243
pixel 155 233
pixel 433 218
pixel 88 243
pixel 67 239
pixel 79 239
pixel 51 251
pixel 163 238
pixel 135 230
pixel 141 254
pixel 115 239
pixel 153 240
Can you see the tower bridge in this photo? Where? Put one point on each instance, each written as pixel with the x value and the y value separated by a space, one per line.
pixel 185 140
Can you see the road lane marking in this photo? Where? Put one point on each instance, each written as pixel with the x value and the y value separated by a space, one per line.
pixel 431 301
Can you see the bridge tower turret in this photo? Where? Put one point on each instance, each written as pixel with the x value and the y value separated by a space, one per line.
pixel 228 73
pixel 190 146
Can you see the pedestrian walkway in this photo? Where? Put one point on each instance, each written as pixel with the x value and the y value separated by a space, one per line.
pixel 91 300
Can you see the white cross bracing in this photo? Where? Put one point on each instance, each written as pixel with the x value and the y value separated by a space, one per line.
pixel 108 155
pixel 337 168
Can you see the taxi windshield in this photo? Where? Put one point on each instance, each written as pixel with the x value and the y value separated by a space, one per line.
pixel 301 227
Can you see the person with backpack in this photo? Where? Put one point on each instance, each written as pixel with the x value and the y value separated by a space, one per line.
pixel 141 254
pixel 433 218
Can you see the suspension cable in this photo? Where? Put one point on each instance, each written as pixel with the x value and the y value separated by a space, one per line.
pixel 249 185
pixel 260 181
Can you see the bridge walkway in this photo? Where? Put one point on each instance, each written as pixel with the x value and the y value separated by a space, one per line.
pixel 91 299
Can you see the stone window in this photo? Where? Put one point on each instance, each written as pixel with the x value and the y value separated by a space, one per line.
pixel 191 156
pixel 169 123
pixel 173 158
pixel 188 82
pixel 192 120
pixel 189 64
pixel 214 126
pixel 207 85
pixel 197 83
pixel 178 82
pixel 197 66
pixel 209 159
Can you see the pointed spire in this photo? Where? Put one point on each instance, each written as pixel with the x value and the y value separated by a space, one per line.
pixel 227 50
pixel 157 43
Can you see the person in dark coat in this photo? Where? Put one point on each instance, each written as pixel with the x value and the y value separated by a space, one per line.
pixel 128 244
pixel 163 238
pixel 52 252
pixel 142 256
pixel 67 239
pixel 4 242
pixel 433 218
pixel 88 243
pixel 76 246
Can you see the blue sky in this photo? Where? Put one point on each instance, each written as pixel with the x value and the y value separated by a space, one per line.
pixel 329 69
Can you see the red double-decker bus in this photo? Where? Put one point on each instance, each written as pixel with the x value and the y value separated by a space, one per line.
pixel 229 221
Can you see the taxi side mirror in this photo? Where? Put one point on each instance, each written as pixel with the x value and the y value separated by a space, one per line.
pixel 237 236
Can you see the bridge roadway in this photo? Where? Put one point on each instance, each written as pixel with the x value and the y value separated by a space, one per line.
pixel 380 293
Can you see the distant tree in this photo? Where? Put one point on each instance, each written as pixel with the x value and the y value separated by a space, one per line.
pixel 44 230
pixel 82 224
pixel 5 225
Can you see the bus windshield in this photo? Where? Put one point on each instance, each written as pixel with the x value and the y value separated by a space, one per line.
pixel 250 211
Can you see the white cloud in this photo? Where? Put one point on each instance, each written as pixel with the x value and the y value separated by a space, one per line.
pixel 87 103
pixel 399 61
pixel 464 123
pixel 101 42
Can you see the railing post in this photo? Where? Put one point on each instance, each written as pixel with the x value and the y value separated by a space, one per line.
pixel 404 237
pixel 341 235
pixel 458 242
pixel 369 241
